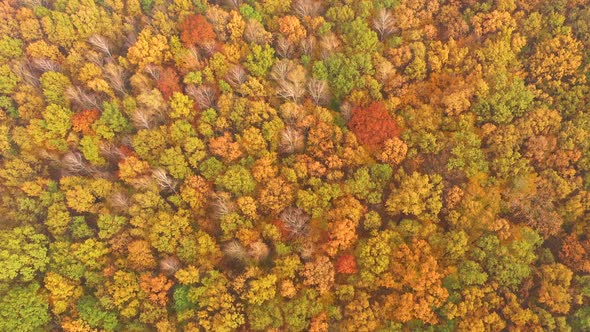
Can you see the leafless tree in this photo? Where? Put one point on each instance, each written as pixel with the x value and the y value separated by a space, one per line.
pixel 111 152
pixel 235 250
pixel 100 43
pixel 27 73
pixel 78 96
pixel 209 47
pixel 115 74
pixel 383 22
pixel 143 119
pixel 170 265
pixel 153 71
pixel 329 44
pixel 222 205
pixel 308 45
pixel 194 52
pixel 120 201
pixel 44 64
pixel 305 8
pixel 291 90
pixel 233 3
pixel 318 91
pixel 73 163
pixel 258 250
pixel 295 220
pixel 163 180
pixel 283 47
pixel 281 69
pixel 254 32
pixel 204 95
pixel 291 140
pixel 346 111
pixel 236 76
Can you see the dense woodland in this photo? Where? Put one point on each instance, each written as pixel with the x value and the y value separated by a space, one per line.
pixel 294 165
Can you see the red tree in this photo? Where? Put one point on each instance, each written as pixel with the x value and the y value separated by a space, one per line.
pixel 373 125
pixel 346 264
pixel 82 121
pixel 168 83
pixel 195 30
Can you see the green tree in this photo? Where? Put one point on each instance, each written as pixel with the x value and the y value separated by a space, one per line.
pixel 238 180
pixel 23 253
pixel 23 309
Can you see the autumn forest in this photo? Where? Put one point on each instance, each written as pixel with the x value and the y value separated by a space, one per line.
pixel 294 165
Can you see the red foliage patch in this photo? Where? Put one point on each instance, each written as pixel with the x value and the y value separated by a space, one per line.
pixel 346 264
pixel 169 82
pixel 373 125
pixel 82 121
pixel 195 30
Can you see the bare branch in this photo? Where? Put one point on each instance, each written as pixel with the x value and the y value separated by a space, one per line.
pixel 235 250
pixel 25 72
pixel 76 95
pixel 120 201
pixel 153 71
pixel 291 140
pixel 284 47
pixel 115 74
pixel 163 180
pixel 170 265
pixel 44 64
pixel 308 45
pixel 222 205
pixel 204 95
pixel 383 22
pixel 73 163
pixel 305 8
pixel 295 220
pixel 236 76
pixel 100 43
pixel 143 119
pixel 318 91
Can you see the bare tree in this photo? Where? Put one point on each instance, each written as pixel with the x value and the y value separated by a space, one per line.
pixel 291 140
pixel 163 180
pixel 281 69
pixel 78 96
pixel 209 47
pixel 222 205
pixel 204 95
pixel 233 3
pixel 383 22
pixel 236 76
pixel 120 201
pixel 318 90
pixel 111 152
pixel 291 90
pixel 329 44
pixel 308 45
pixel 295 220
pixel 73 163
pixel 284 47
pixel 170 265
pixel 258 250
pixel 115 74
pixel 346 111
pixel 25 72
pixel 44 64
pixel 153 71
pixel 305 8
pixel 235 250
pixel 254 32
pixel 100 43
pixel 143 119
